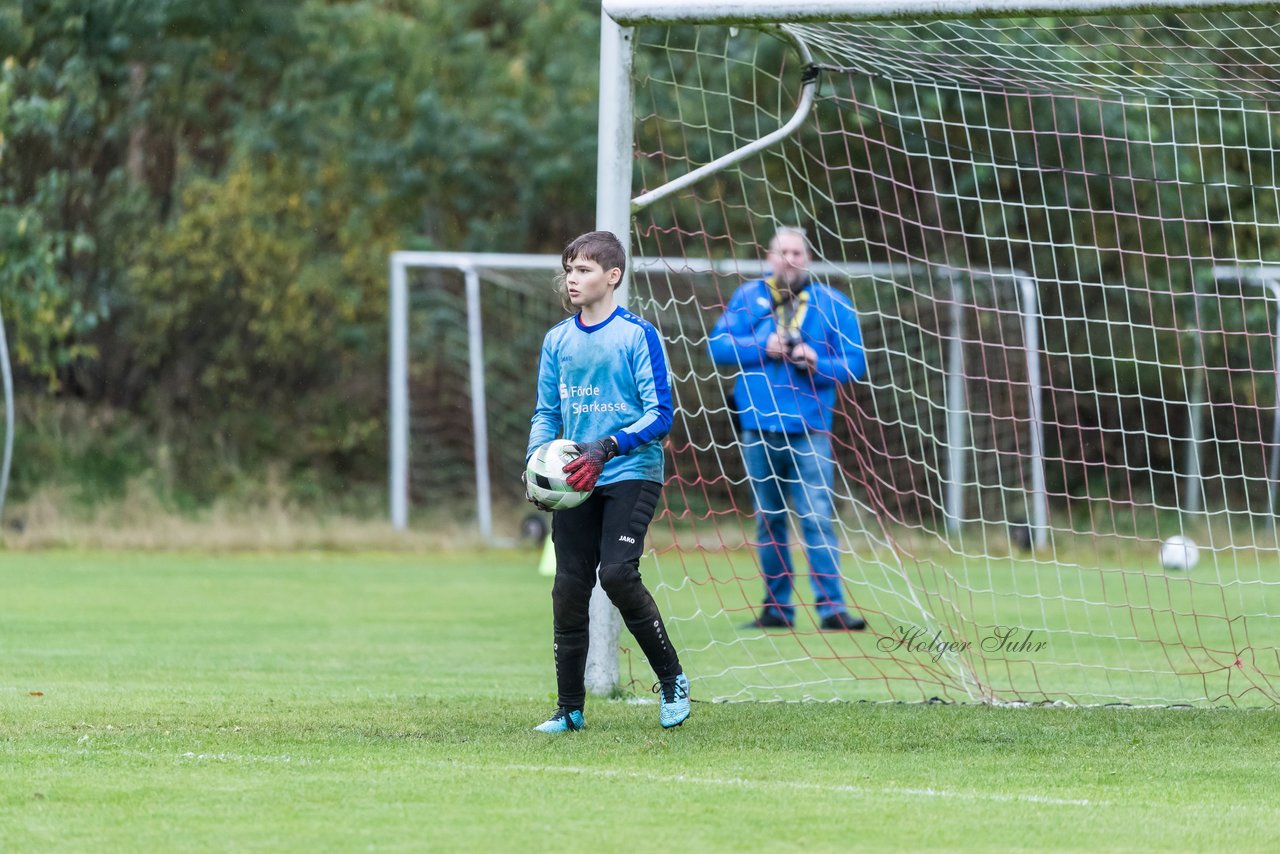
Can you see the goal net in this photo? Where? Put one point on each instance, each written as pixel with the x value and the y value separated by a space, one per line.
pixel 1098 192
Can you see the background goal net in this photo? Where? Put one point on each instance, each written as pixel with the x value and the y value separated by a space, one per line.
pixel 1126 165
pixel 1056 232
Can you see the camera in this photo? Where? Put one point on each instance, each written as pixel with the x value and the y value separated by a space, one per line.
pixel 791 339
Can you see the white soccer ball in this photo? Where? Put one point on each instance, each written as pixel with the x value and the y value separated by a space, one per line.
pixel 1179 552
pixel 545 476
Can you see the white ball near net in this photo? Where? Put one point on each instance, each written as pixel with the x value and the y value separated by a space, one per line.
pixel 1179 552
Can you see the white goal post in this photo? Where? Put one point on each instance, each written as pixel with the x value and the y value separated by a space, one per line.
pixel 6 372
pixel 1062 221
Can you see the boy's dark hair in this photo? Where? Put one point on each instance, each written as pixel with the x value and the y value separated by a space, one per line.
pixel 600 246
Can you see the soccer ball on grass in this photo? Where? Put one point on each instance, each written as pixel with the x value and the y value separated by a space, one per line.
pixel 1179 552
pixel 545 476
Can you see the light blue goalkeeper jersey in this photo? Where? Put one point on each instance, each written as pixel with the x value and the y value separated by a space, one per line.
pixel 610 379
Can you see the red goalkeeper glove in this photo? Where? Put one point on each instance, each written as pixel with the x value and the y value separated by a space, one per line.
pixel 584 470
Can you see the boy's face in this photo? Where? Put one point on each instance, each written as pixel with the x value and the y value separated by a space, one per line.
pixel 588 283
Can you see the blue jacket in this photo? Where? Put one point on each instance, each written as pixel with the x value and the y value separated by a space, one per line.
pixel 610 379
pixel 772 394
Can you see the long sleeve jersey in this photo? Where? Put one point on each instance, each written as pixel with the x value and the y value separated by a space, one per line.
pixel 610 379
pixel 774 395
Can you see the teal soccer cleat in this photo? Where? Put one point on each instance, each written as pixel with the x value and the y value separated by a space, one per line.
pixel 565 720
pixel 673 697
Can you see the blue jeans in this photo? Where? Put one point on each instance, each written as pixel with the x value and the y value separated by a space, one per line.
pixel 798 466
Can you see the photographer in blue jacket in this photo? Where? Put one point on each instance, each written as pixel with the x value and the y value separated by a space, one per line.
pixel 794 341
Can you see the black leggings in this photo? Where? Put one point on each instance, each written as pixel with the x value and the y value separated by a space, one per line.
pixel 605 531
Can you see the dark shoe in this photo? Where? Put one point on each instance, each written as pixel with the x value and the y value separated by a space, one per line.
pixel 769 620
pixel 843 621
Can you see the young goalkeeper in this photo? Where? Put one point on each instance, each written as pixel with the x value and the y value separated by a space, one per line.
pixel 602 383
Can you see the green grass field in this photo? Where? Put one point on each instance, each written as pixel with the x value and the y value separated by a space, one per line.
pixel 342 702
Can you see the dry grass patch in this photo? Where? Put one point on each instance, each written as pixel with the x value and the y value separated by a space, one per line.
pixel 140 521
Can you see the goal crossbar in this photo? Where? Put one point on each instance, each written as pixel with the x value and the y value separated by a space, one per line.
pixel 636 12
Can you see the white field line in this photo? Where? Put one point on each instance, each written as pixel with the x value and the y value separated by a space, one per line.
pixel 795 785
pixel 734 782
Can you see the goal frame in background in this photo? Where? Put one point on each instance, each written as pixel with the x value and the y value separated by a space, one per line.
pixel 470 266
pixel 1267 278
pixel 603 666
pixel 6 372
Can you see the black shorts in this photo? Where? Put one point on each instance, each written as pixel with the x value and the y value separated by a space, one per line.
pixel 607 528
